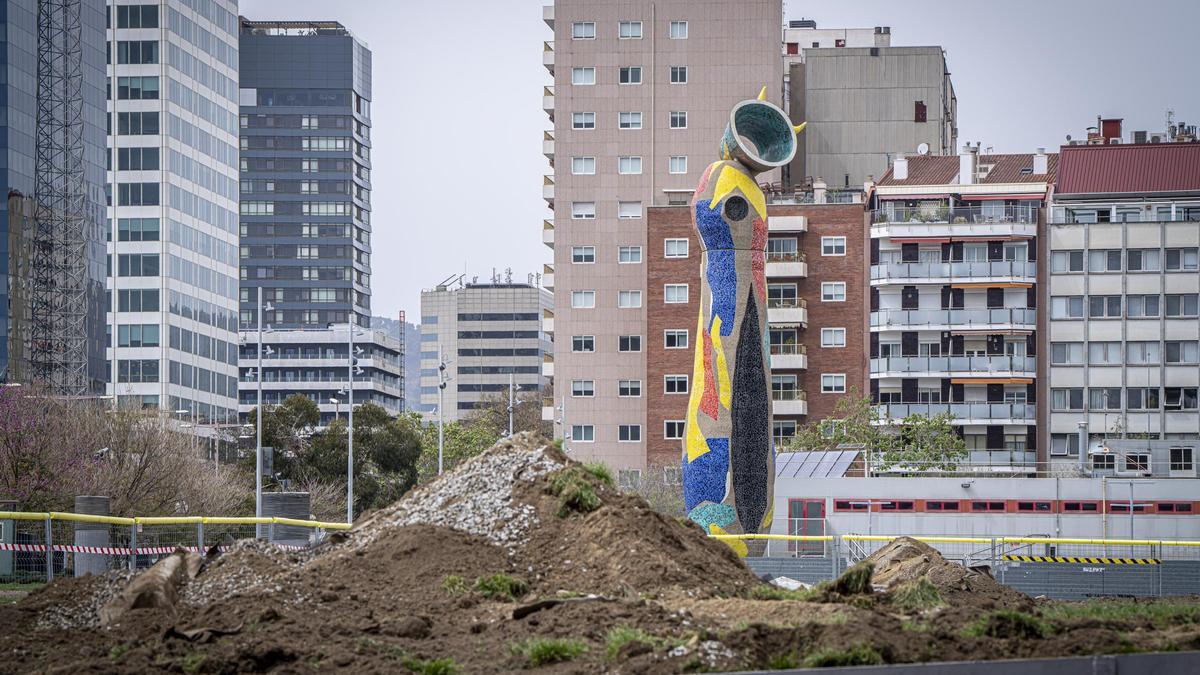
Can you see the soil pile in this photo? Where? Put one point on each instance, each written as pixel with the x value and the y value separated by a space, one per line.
pixel 525 559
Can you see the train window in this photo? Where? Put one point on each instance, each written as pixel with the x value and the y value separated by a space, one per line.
pixel 941 506
pixel 987 506
pixel 846 505
pixel 1166 507
pixel 1033 506
pixel 896 506
pixel 1174 507
pixel 1123 507
pixel 1074 507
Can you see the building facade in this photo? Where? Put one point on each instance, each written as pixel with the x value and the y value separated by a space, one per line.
pixel 954 320
pixel 173 178
pixel 488 336
pixel 305 174
pixel 52 310
pixel 1124 332
pixel 315 364
pixel 816 311
pixel 640 98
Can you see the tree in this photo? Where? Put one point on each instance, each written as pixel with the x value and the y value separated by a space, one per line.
pixel 919 443
pixel 287 428
pixel 463 440
pixel 492 413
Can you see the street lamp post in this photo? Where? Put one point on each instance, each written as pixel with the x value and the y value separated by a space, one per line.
pixel 350 421
pixel 441 408
pixel 511 404
pixel 258 419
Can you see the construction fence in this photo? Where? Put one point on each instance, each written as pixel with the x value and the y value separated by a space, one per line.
pixel 37 546
pixel 1064 569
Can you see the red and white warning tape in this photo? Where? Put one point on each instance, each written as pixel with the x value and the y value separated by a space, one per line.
pixel 118 550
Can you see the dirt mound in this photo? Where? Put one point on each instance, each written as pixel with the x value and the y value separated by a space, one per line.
pixel 524 559
pixel 906 560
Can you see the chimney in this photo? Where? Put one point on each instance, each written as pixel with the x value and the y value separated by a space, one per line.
pixel 883 36
pixel 1041 163
pixel 968 164
pixel 900 167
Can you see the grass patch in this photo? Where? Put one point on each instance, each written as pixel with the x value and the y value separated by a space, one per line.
pixel 914 626
pixel 540 651
pixel 454 584
pixel 192 662
pixel 916 596
pixel 501 586
pixel 858 655
pixel 444 666
pixel 573 486
pixel 1159 613
pixel 854 581
pixel 117 652
pixel 1007 623
pixel 601 472
pixel 773 592
pixel 784 661
pixel 622 635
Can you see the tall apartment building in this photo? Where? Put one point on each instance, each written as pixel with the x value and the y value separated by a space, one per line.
pixel 173 210
pixel 816 311
pixel 305 174
pixel 52 166
pixel 954 320
pixel 641 96
pixel 488 335
pixel 1124 321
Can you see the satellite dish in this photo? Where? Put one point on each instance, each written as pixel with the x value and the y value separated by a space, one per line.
pixel 923 149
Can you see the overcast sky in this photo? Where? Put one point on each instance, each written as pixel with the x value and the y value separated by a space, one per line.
pixel 458 119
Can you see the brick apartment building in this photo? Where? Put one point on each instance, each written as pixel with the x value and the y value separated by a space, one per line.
pixel 817 311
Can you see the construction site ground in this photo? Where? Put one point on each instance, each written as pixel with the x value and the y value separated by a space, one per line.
pixel 522 559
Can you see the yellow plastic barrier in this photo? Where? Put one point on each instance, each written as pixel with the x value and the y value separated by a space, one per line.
pixel 169 520
pixel 775 537
pixel 88 518
pixel 964 540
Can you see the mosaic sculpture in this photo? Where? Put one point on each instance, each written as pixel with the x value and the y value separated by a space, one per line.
pixel 728 450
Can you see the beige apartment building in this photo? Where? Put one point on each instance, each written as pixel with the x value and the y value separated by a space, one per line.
pixel 640 97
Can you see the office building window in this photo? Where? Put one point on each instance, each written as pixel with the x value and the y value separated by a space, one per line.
pixel 629 388
pixel 1141 306
pixel 675 248
pixel 137 370
pixel 833 246
pixel 678 164
pixel 1181 459
pixel 138 265
pixel 583 388
pixel 629 299
pixel 1066 399
pixel 630 75
pixel 1104 398
pixel 1179 398
pixel 583 120
pixel 1104 353
pixel 137 88
pixel 138 335
pixel 583 343
pixel 629 210
pixel 1183 259
pixel 678 119
pixel 629 120
pixel 629 343
pixel 1143 353
pixel 137 194
pixel 678 74
pixel 583 255
pixel 1066 307
pixel 1142 398
pixel 1066 353
pixel 833 337
pixel 833 383
pixel 1182 305
pixel 583 299
pixel 629 255
pixel 629 165
pixel 583 166
pixel 675 293
pixel 583 75
pixel 137 51
pixel 583 30
pixel 137 16
pixel 1064 444
pixel 673 429
pixel 1066 261
pixel 583 433
pixel 1104 261
pixel 675 384
pixel 630 30
pixel 675 339
pixel 833 291
pixel 583 210
pixel 1182 351
pixel 1104 306
pixel 1143 260
pixel 629 433
pixel 679 30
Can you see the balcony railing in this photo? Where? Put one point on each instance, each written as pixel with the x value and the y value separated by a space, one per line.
pixel 895 269
pixel 955 318
pixel 785 256
pixel 788 395
pixel 961 412
pixel 788 349
pixel 968 365
pixel 967 215
pixel 786 303
pixel 1125 213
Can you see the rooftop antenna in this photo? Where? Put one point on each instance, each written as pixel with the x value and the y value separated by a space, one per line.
pixel 508 275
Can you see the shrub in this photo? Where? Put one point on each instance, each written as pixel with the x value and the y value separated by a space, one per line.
pixel 502 586
pixel 454 585
pixel 785 661
pixel 622 635
pixel 601 472
pixel 773 592
pixel 915 596
pixel 855 581
pixel 573 486
pixel 540 651
pixel 1006 623
pixel 443 666
pixel 858 655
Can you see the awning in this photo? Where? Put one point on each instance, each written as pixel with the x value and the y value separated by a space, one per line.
pixel 920 240
pixel 991 380
pixel 989 284
pixel 913 197
pixel 987 331
pixel 974 198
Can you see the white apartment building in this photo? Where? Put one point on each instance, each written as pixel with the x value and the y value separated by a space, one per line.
pixel 173 206
pixel 488 336
pixel 641 95
pixel 953 307
pixel 1124 316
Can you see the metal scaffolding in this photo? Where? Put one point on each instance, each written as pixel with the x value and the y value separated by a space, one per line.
pixel 58 294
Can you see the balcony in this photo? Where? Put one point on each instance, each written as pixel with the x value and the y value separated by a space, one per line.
pixel 954 366
pixel 548 101
pixel 786 265
pixel 789 402
pixel 548 232
pixel 548 146
pixel 547 413
pixel 963 413
pixel 787 312
pixel 547 321
pixel 548 277
pixel 981 319
pixel 548 56
pixel 958 221
pixel 548 189
pixel 789 357
pixel 787 224
pixel 548 15
pixel 999 271
pixel 548 365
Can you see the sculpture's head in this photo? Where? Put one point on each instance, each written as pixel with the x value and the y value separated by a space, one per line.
pixel 759 135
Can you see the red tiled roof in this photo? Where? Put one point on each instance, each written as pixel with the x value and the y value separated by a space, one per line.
pixel 1116 169
pixel 943 169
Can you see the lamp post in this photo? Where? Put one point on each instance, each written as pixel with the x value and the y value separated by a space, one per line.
pixel 442 379
pixel 350 420
pixel 258 417
pixel 511 404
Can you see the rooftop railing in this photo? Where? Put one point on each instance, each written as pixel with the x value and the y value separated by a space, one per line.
pixel 964 318
pixel 954 215
pixel 894 268
pixel 980 365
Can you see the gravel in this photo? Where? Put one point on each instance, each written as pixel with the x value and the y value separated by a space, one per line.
pixel 82 610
